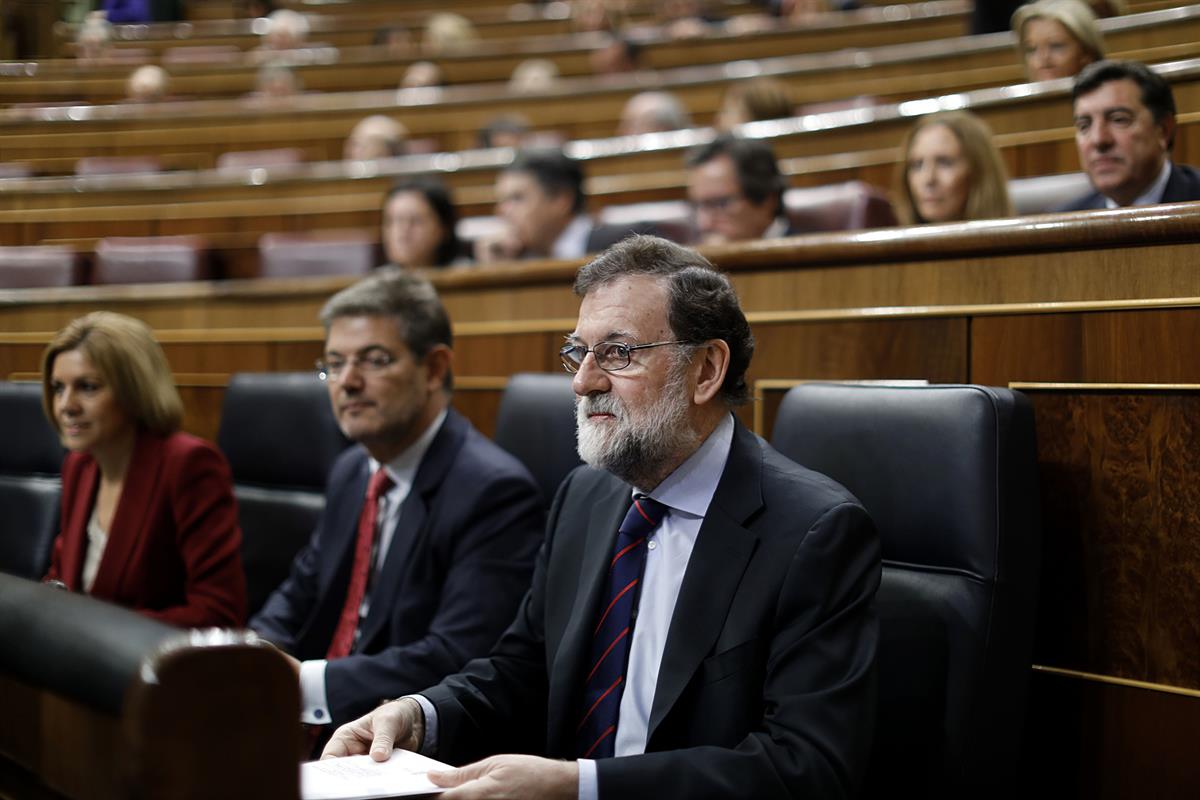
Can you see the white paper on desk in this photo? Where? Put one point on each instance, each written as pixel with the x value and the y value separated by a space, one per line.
pixel 360 778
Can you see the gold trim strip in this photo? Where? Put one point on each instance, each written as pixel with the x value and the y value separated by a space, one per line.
pixel 473 383
pixel 1114 681
pixel 1037 386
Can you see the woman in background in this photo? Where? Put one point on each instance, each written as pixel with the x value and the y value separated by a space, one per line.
pixel 149 519
pixel 419 225
pixel 950 172
pixel 1056 38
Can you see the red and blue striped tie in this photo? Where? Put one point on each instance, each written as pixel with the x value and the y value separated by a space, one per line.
pixel 605 681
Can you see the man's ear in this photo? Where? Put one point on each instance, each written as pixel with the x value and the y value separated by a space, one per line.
pixel 1166 127
pixel 711 362
pixel 438 363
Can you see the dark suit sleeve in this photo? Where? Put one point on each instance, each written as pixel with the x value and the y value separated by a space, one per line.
pixel 499 702
pixel 818 694
pixel 208 538
pixel 487 571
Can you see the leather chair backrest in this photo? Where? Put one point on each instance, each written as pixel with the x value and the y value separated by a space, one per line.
pixel 280 437
pixel 536 423
pixel 249 159
pixel 289 255
pixel 1044 193
pixel 672 218
pixel 848 206
pixel 30 464
pixel 117 165
pixel 948 473
pixel 42 265
pixel 150 259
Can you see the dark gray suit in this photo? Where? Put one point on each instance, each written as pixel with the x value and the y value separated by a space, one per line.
pixel 1182 186
pixel 767 684
pixel 459 562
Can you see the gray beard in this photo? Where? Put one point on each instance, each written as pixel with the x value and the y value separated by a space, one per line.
pixel 639 447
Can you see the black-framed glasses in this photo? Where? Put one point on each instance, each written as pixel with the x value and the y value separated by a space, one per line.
pixel 610 356
pixel 369 362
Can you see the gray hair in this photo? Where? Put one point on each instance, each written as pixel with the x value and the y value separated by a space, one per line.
pixel 409 300
pixel 701 302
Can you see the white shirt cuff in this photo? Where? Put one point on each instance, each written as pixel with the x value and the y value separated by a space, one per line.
pixel 430 741
pixel 589 787
pixel 314 707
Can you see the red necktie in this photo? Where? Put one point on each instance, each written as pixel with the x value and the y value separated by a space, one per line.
pixel 343 636
pixel 604 685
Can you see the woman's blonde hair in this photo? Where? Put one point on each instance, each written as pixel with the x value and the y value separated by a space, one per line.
pixel 761 98
pixel 123 350
pixel 987 194
pixel 1074 15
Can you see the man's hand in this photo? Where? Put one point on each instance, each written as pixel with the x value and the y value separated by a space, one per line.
pixel 293 663
pixel 400 723
pixel 515 777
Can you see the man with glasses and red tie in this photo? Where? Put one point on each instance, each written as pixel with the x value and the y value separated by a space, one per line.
pixel 700 622
pixel 429 532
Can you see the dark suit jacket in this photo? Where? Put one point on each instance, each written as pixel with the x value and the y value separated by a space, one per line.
pixel 767 683
pixel 174 548
pixel 457 566
pixel 1182 186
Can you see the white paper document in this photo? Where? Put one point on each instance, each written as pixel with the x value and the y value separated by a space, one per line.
pixel 360 778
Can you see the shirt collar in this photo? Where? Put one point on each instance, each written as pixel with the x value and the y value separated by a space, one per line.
pixel 776 230
pixel 1152 195
pixel 403 468
pixel 690 488
pixel 572 242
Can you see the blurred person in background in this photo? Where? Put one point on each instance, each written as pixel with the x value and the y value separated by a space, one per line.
pixel 1056 38
pixel 375 136
pixel 951 172
pixel 419 225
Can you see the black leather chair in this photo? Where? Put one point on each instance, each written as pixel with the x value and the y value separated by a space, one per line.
pixel 536 423
pixel 30 464
pixel 281 439
pixel 949 474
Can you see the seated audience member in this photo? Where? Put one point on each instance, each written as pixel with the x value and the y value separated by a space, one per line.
pixel 540 200
pixel 753 100
pixel 617 56
pixel 419 225
pixel 686 19
pixel 275 83
pixel 533 75
pixel 653 112
pixel 429 530
pixel 149 520
pixel 736 191
pixel 1124 129
pixel 742 662
pixel 93 42
pixel 285 30
pixel 504 130
pixel 950 172
pixel 375 136
pixel 598 15
pixel 448 32
pixel 422 75
pixel 148 84
pixel 1057 38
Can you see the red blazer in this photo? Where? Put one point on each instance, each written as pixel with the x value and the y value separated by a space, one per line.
pixel 174 548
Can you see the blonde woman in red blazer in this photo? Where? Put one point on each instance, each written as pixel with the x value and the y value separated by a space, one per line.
pixel 148 515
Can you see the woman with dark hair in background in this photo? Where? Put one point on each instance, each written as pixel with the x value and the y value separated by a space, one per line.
pixel 419 225
pixel 149 519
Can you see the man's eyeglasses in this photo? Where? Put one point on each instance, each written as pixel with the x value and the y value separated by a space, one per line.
pixel 375 361
pixel 610 356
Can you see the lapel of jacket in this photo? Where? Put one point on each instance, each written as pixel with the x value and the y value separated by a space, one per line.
pixel 603 515
pixel 722 551
pixel 414 513
pixel 75 520
pixel 140 493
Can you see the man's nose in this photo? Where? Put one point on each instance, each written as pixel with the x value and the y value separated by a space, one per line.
pixel 590 378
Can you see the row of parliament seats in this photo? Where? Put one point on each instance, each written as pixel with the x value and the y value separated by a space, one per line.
pixel 854 205
pixel 958 525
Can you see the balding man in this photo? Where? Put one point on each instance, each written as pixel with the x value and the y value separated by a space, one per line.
pixel 652 112
pixel 376 136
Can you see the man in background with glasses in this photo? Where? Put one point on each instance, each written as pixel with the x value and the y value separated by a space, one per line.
pixel 700 622
pixel 429 531
pixel 736 191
